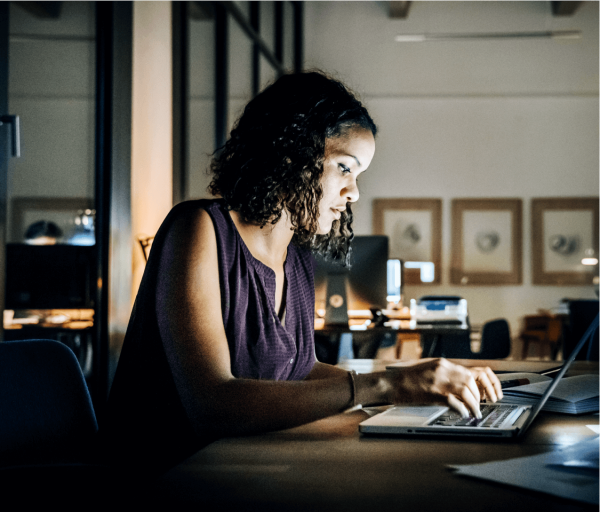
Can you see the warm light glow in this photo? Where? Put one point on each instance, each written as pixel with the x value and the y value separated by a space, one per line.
pixel 410 38
pixel 589 261
pixel 152 122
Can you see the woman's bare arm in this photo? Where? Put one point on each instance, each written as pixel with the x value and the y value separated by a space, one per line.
pixel 189 315
pixel 325 371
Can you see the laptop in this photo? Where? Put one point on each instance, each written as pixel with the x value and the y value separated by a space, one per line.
pixel 498 421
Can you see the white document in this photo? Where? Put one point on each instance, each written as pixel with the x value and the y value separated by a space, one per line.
pixel 569 473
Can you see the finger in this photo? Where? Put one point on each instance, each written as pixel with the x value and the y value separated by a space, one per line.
pixel 495 382
pixel 458 406
pixel 488 389
pixel 472 385
pixel 470 401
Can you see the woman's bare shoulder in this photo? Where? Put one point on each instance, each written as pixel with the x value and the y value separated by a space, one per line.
pixel 188 233
pixel 188 213
pixel 188 221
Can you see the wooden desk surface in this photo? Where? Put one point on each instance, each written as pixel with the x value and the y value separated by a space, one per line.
pixel 328 466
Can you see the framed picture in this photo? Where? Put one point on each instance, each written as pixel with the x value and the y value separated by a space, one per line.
pixel 62 211
pixel 487 241
pixel 414 228
pixel 563 232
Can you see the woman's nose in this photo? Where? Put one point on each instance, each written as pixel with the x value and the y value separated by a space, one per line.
pixel 351 192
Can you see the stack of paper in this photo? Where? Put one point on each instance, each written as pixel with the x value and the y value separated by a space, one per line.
pixel 569 473
pixel 573 395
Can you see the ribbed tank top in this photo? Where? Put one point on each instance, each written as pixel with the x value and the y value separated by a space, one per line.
pixel 260 346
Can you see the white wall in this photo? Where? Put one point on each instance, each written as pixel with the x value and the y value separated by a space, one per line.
pixel 152 124
pixel 515 118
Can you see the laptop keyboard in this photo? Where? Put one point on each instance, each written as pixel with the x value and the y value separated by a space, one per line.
pixel 492 416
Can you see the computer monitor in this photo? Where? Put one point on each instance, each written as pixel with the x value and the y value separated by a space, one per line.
pixel 363 286
pixel 50 276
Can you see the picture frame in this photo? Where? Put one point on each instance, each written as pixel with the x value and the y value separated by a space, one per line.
pixel 60 210
pixel 414 229
pixel 487 242
pixel 563 232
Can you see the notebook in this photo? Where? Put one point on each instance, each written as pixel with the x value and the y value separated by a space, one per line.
pixel 498 421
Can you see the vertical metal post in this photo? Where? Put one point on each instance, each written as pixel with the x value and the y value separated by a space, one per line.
pixel 118 288
pixel 278 42
pixel 4 153
pixel 221 74
pixel 104 85
pixel 114 28
pixel 255 23
pixel 180 23
pixel 298 36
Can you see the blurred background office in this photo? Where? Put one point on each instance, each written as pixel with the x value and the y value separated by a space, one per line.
pixel 120 105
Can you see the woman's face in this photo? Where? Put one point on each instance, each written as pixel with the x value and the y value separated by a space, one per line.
pixel 346 157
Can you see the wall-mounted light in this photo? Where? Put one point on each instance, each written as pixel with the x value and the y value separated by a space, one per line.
pixel 552 34
pixel 590 258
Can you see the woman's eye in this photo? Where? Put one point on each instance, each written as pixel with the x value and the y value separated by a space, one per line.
pixel 344 169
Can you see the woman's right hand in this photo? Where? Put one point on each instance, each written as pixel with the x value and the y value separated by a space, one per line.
pixel 440 381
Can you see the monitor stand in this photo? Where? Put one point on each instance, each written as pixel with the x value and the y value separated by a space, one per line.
pixel 336 308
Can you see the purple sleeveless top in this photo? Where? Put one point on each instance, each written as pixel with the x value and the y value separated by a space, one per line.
pixel 144 429
pixel 260 346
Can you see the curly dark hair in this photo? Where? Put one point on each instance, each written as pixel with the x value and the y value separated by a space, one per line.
pixel 274 157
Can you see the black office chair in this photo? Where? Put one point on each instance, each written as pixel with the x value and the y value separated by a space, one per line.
pixel 47 428
pixel 495 340
pixel 450 346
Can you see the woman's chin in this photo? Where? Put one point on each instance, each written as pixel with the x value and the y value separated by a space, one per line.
pixel 323 230
pixel 329 229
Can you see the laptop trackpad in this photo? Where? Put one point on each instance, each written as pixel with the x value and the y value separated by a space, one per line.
pixel 411 415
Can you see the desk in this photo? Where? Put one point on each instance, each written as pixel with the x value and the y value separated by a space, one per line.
pixel 327 466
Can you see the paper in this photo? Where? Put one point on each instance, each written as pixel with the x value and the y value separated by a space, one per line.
pixel 570 473
pixel 572 395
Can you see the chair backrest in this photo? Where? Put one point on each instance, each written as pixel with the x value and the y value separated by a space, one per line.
pixel 535 322
pixel 495 340
pixel 451 345
pixel 46 414
pixel 554 330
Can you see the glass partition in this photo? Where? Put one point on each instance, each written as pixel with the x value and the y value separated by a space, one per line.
pixel 228 50
pixel 200 135
pixel 52 86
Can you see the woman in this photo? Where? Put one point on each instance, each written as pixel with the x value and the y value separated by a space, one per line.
pixel 221 338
